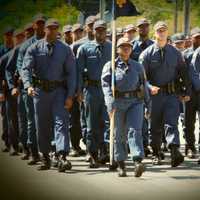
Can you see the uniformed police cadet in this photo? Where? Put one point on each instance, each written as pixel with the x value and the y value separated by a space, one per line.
pixel 26 107
pixel 91 58
pixel 77 32
pixel 49 75
pixel 67 34
pixel 164 65
pixel 178 41
pixel 194 72
pixel 192 106
pixel 130 32
pixel 28 30
pixel 78 127
pixel 140 43
pixel 7 46
pixel 9 60
pixel 127 106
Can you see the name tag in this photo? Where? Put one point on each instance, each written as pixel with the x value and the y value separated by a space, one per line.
pixel 92 56
pixel 154 61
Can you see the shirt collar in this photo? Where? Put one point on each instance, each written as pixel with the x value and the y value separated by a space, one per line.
pixel 121 62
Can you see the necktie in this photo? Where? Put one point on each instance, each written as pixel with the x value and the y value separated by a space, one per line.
pixel 50 49
pixel 162 54
pixel 143 46
pixel 100 50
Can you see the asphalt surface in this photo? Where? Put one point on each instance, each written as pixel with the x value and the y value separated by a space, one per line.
pixel 20 181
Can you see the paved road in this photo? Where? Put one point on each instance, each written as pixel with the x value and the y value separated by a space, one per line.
pixel 19 181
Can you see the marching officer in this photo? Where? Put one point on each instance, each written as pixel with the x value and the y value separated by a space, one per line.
pixel 67 34
pixel 140 43
pixel 7 46
pixel 192 106
pixel 91 58
pixel 127 106
pixel 26 107
pixel 49 75
pixel 9 60
pixel 195 76
pixel 130 31
pixel 164 66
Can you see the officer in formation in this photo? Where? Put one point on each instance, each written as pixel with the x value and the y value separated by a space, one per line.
pixel 164 65
pixel 91 58
pixel 194 72
pixel 126 105
pixel 53 94
pixel 6 47
pixel 192 106
pixel 78 127
pixel 49 75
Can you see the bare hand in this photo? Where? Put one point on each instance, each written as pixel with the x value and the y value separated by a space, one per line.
pixel 31 91
pixel 111 113
pixel 15 92
pixel 185 98
pixel 80 97
pixel 2 98
pixel 68 103
pixel 154 90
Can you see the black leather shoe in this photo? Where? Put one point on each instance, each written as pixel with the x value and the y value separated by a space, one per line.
pixel 104 159
pixel 122 169
pixel 114 166
pixel 5 149
pixel 14 152
pixel 156 160
pixel 176 157
pixel 161 155
pixel 139 169
pixel 54 161
pixel 198 162
pixel 46 163
pixel 63 165
pixel 34 161
pixel 25 157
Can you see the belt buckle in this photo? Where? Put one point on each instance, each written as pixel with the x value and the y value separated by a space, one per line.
pixel 127 95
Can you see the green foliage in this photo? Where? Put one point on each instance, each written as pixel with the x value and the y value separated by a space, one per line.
pixel 18 13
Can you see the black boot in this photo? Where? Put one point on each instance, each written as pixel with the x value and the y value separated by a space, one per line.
pixel 26 154
pixel 5 148
pixel 46 162
pixel 55 160
pixel 139 168
pixel 34 160
pixel 104 157
pixel 156 158
pixel 94 160
pixel 191 152
pixel 114 166
pixel 63 163
pixel 122 169
pixel 14 151
pixel 176 157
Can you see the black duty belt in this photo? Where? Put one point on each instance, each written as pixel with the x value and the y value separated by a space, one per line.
pixel 95 83
pixel 169 88
pixel 47 85
pixel 128 94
